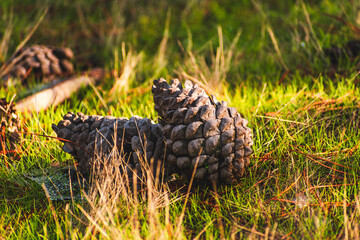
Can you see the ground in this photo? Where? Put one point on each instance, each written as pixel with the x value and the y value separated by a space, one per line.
pixel 272 60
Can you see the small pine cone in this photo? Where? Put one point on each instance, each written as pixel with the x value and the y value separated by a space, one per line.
pixel 45 62
pixel 200 131
pixel 91 136
pixel 10 125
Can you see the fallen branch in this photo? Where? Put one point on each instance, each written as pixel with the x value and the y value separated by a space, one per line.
pixel 58 92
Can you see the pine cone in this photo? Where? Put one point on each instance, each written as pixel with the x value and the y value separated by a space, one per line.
pixel 42 60
pixel 92 136
pixel 9 126
pixel 200 130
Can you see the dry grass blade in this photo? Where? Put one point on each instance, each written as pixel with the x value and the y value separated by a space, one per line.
pixel 353 27
pixel 160 61
pixel 123 77
pixel 117 193
pixel 181 218
pixel 286 190
pixel 6 37
pixel 211 76
pixel 317 44
pixel 276 46
pixel 53 211
pixel 320 158
pixel 204 230
pixel 252 231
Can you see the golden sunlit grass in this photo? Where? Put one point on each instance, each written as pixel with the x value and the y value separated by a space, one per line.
pixel 211 76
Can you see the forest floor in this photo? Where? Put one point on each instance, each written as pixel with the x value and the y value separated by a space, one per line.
pixel 276 62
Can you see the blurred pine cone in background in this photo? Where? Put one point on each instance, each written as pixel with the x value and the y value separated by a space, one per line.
pixel 201 131
pixel 43 61
pixel 10 125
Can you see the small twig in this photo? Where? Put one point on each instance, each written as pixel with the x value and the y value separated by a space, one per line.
pixel 315 193
pixel 58 92
pixel 286 190
pixel 335 204
pixel 250 230
pixel 60 139
pixel 320 158
pixel 288 235
pixel 325 186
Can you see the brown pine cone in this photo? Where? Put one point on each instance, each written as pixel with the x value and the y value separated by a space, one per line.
pixel 10 126
pixel 200 130
pixel 43 61
pixel 92 136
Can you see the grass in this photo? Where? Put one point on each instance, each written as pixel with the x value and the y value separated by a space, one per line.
pixel 265 59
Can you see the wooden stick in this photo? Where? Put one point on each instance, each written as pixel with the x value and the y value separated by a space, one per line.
pixel 58 92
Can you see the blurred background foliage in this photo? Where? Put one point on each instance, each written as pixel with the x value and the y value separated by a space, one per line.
pixel 275 36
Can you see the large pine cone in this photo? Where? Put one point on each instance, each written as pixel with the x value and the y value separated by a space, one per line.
pixel 200 130
pixel 94 136
pixel 10 125
pixel 42 60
